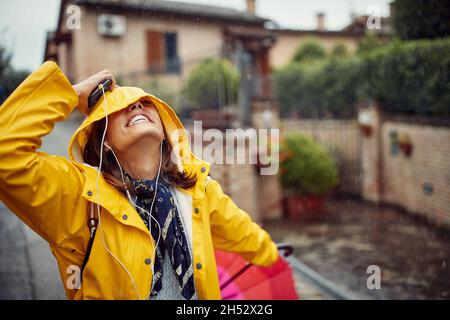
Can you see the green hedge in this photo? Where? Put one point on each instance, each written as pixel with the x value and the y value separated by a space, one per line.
pixel 406 77
pixel 409 77
pixel 317 90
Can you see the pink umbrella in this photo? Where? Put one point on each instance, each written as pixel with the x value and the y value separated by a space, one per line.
pixel 240 280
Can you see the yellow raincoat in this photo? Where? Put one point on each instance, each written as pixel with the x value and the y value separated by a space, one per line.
pixel 54 196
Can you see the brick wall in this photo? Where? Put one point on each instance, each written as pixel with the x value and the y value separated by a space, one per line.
pixel 419 182
pixel 239 181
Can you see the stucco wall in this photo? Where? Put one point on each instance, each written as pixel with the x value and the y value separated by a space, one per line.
pixel 126 55
pixel 287 43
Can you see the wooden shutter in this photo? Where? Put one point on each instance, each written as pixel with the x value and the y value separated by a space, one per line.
pixel 155 51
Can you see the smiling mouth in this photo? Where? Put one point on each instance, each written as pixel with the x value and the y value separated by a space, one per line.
pixel 138 119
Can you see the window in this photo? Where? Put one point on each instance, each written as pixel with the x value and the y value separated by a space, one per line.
pixel 172 62
pixel 162 55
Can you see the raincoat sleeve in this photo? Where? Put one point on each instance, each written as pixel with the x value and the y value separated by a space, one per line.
pixel 233 230
pixel 40 189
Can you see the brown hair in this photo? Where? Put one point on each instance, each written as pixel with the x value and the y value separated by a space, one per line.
pixel 110 168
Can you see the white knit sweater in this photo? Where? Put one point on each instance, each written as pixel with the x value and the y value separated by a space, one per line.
pixel 171 289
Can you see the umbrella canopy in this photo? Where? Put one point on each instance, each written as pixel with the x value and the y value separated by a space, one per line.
pixel 240 280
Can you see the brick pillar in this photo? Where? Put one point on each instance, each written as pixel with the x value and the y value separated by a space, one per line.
pixel 269 196
pixel 239 182
pixel 370 117
pixel 243 189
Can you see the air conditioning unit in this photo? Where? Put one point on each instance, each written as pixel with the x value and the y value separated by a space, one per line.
pixel 111 25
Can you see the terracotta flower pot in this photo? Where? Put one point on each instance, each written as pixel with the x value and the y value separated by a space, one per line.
pixel 303 207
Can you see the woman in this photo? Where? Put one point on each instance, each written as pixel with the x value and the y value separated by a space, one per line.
pixel 159 216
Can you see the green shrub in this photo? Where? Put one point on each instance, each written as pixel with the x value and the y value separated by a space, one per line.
pixel 306 167
pixel 212 84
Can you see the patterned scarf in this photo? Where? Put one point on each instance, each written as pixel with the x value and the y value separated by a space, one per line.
pixel 172 234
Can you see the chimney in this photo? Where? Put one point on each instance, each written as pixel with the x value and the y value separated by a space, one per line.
pixel 251 6
pixel 321 21
pixel 391 9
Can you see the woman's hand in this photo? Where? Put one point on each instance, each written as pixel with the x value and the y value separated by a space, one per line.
pixel 84 88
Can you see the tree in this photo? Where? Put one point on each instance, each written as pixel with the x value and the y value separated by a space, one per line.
pixel 310 51
pixel 419 19
pixel 9 78
pixel 213 84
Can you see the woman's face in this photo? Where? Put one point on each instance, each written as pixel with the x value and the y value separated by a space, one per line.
pixel 138 122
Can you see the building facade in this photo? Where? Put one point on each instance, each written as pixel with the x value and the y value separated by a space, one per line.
pixel 139 39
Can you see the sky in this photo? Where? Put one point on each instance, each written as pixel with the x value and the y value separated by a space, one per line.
pixel 24 23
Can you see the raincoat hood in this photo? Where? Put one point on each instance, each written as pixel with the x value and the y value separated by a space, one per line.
pixel 119 99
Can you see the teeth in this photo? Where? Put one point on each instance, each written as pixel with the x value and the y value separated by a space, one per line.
pixel 137 119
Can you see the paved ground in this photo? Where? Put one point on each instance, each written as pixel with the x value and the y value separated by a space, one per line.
pixel 306 291
pixel 413 257
pixel 27 268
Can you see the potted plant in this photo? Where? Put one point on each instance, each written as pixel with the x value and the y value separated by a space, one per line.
pixel 307 172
